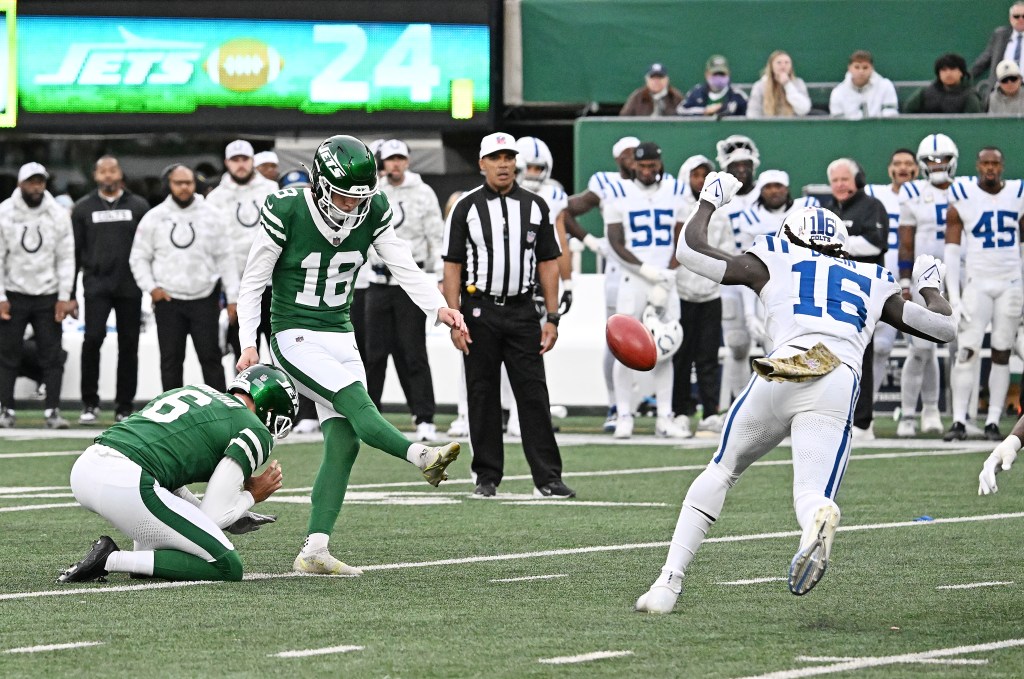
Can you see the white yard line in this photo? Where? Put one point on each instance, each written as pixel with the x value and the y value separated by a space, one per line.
pixel 543 502
pixel 752 581
pixel 34 496
pixel 520 555
pixel 28 507
pixel 974 585
pixel 56 453
pixel 532 577
pixel 54 647
pixel 316 651
pixel 9 490
pixel 862 663
pixel 586 657
pixel 928 661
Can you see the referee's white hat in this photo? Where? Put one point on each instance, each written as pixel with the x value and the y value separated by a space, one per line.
pixel 499 141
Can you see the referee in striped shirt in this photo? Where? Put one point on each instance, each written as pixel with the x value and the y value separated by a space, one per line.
pixel 498 240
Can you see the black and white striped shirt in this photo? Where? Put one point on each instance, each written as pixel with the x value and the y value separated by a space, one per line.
pixel 499 239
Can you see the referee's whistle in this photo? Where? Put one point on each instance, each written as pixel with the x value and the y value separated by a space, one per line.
pixel 471 288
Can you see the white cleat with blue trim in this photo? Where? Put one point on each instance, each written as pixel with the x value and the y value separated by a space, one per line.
pixel 811 559
pixel 661 597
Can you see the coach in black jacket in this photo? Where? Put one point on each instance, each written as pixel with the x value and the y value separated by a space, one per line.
pixel 104 222
pixel 868 226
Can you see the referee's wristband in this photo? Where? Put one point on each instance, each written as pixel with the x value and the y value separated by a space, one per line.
pixel 554 318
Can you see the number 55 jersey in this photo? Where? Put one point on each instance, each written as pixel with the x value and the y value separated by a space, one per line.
pixel 811 298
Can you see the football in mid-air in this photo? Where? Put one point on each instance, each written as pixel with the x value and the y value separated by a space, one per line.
pixel 631 343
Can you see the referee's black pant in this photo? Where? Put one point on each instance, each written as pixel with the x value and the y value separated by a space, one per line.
pixel 37 310
pixel 128 312
pixel 702 335
pixel 396 327
pixel 175 321
pixel 508 334
pixel 263 330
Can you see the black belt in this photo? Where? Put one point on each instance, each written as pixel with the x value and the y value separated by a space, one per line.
pixel 497 300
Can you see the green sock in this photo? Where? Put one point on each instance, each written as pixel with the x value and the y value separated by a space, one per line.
pixel 171 564
pixel 340 448
pixel 354 403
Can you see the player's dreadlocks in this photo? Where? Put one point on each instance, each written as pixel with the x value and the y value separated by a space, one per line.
pixel 830 250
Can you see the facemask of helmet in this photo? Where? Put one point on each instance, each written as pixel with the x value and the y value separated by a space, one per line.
pixel 533 153
pixel 940 149
pixel 273 395
pixel 343 166
pixel 737 147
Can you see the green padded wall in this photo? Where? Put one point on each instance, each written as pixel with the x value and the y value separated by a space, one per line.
pixel 802 147
pixel 598 50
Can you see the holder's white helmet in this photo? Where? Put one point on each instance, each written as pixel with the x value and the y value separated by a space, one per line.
pixel 668 336
pixel 938 148
pixel 533 151
pixel 815 225
pixel 737 147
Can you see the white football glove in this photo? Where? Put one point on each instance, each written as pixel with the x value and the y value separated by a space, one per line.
pixel 719 188
pixel 656 275
pixel 1001 459
pixel 657 296
pixel 928 273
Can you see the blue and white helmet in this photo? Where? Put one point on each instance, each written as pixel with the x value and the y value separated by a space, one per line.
pixel 815 225
pixel 533 151
pixel 938 148
pixel 668 335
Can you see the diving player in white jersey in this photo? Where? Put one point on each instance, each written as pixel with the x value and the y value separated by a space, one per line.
pixel 902 169
pixel 923 206
pixel 822 309
pixel 603 188
pixel 641 229
pixel 985 219
pixel 739 156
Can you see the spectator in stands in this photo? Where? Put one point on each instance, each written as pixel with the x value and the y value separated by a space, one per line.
pixel 863 92
pixel 104 223
pixel 656 98
pixel 950 92
pixel 37 273
pixel 1006 99
pixel 1005 43
pixel 778 93
pixel 181 249
pixel 266 163
pixel 715 96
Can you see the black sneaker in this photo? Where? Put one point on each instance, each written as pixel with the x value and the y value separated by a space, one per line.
pixel 958 432
pixel 556 490
pixel 92 567
pixel 992 432
pixel 485 489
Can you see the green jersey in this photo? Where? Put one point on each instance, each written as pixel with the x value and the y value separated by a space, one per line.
pixel 314 277
pixel 182 435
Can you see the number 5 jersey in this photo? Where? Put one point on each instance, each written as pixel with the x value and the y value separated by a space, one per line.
pixel 810 298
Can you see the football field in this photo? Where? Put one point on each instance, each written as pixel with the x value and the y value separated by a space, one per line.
pixel 925 578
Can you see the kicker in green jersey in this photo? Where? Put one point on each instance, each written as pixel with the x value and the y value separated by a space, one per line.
pixel 182 435
pixel 314 277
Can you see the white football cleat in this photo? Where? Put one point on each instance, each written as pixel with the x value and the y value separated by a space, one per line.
pixel 459 428
pixel 667 428
pixel 712 423
pixel 322 563
pixel 624 427
pixel 306 426
pixel 811 560
pixel 907 428
pixel 425 431
pixel 661 597
pixel 931 420
pixel 862 435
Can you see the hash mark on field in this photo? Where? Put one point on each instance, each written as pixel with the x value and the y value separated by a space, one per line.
pixel 532 577
pixel 906 658
pixel 973 585
pixel 586 657
pixel 752 581
pixel 582 503
pixel 522 555
pixel 54 647
pixel 315 651
pixel 928 661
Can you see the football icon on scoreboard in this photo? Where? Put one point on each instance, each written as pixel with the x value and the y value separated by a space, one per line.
pixel 244 64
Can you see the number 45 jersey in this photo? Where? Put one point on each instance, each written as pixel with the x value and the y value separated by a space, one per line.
pixel 811 298
pixel 990 235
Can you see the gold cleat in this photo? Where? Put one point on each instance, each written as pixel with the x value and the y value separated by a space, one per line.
pixel 322 563
pixel 434 472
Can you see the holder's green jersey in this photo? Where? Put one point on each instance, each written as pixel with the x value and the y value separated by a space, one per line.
pixel 316 270
pixel 182 435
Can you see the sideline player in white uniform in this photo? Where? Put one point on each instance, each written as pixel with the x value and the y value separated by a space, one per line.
pixel 989 215
pixel 739 156
pixel 602 189
pixel 822 309
pixel 640 232
pixel 923 206
pixel 902 169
